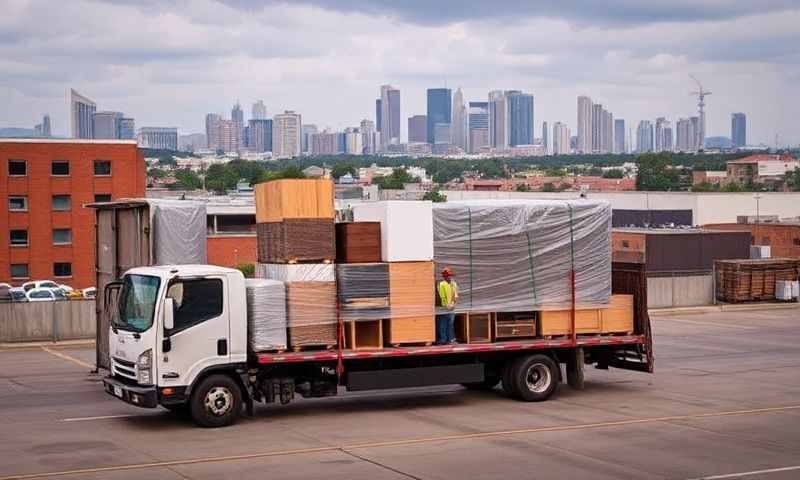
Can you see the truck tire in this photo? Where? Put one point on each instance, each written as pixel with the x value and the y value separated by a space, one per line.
pixel 534 377
pixel 216 402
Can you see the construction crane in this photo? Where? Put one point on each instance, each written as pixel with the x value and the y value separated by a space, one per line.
pixel 701 103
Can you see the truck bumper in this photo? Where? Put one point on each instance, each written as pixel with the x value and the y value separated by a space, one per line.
pixel 146 397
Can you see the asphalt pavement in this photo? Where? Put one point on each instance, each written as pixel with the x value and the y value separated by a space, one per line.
pixel 724 403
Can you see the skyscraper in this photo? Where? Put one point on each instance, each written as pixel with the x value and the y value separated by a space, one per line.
pixel 46 129
pixel 458 128
pixel 597 126
pixel 127 128
pixel 286 130
pixel 237 117
pixel 608 132
pixel 212 130
pixel 259 111
pixel 619 136
pixel 106 125
pixel 378 113
pixel 418 129
pixel 738 129
pixel 390 116
pixel 164 138
pixel 498 120
pixel 81 111
pixel 520 118
pixel 439 110
pixel 685 135
pixel 228 136
pixel 307 131
pixel 698 135
pixel 667 140
pixel 545 142
pixel 478 125
pixel 644 136
pixel 561 138
pixel 259 134
pixel 369 138
pixel 584 125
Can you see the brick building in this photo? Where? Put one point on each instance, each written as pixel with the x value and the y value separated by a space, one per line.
pixel 783 238
pixel 45 231
pixel 231 234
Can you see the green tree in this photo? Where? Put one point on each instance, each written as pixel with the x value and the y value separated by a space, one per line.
pixel 732 187
pixel 156 173
pixel 614 174
pixel 341 169
pixel 396 180
pixel 435 196
pixel 187 179
pixel 523 187
pixel 793 180
pixel 704 186
pixel 247 269
pixel 221 178
pixel 655 172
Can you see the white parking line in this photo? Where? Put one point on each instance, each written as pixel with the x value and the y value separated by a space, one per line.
pixel 713 324
pixel 103 417
pixel 68 358
pixel 749 474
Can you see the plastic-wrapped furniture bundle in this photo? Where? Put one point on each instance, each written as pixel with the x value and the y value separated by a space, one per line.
pixel 310 301
pixel 363 290
pixel 266 314
pixel 518 255
pixel 406 228
pixel 179 228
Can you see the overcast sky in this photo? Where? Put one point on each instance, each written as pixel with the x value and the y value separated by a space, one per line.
pixel 170 63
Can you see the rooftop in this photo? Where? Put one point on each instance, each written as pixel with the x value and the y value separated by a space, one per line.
pixel 68 140
pixel 762 158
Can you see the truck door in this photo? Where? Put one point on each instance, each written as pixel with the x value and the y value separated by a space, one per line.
pixel 201 334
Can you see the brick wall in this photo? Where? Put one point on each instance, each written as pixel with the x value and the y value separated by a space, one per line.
pixel 127 179
pixel 230 251
pixel 783 240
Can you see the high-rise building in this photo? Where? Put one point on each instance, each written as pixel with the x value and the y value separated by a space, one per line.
pixel 520 118
pixel 46 128
pixel 286 130
pixel 418 129
pixel 127 128
pixel 667 140
pixel 697 129
pixel 584 125
pixel 378 113
pixel 619 136
pixel 81 111
pixel 369 139
pixel 354 142
pixel 390 116
pixel 237 116
pixel 212 130
pixel 478 125
pixel 228 136
pixel 259 134
pixel 325 143
pixel 458 127
pixel 545 142
pixel 498 120
pixel 106 125
pixel 644 136
pixel 685 140
pixel 442 134
pixel 259 110
pixel 561 139
pixel 597 125
pixel 191 142
pixel 439 110
pixel 602 129
pixel 659 137
pixel 738 129
pixel 163 138
pixel 307 131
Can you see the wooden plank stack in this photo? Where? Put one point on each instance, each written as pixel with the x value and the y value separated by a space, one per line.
pixel 295 221
pixel 753 280
pixel 358 242
pixel 411 298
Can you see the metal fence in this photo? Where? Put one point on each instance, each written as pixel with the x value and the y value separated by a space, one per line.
pixel 47 321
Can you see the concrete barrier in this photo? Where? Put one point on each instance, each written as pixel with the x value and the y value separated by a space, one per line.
pixel 47 321
pixel 680 291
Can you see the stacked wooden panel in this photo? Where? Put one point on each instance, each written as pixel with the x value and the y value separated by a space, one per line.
pixel 753 280
pixel 559 322
pixel 618 317
pixel 358 242
pixel 412 301
pixel 295 221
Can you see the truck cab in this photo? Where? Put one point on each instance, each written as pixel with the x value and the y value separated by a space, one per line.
pixel 172 329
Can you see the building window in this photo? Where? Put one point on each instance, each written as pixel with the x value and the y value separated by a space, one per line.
pixel 626 244
pixel 19 270
pixel 61 202
pixel 102 167
pixel 62 236
pixel 17 168
pixel 19 238
pixel 17 204
pixel 62 269
pixel 102 197
pixel 797 241
pixel 59 168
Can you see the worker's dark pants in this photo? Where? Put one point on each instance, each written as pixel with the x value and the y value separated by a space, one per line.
pixel 445 327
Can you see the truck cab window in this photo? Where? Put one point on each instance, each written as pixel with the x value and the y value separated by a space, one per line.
pixel 195 301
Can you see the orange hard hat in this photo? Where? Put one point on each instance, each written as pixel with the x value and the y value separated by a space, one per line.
pixel 447 272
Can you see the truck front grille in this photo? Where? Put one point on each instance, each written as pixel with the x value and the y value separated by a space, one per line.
pixel 124 368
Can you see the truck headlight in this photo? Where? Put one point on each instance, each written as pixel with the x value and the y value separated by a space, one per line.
pixel 144 370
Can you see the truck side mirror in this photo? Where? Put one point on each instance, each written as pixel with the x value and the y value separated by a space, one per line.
pixel 169 313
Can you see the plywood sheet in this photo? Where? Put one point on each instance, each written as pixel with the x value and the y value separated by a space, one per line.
pixel 618 317
pixel 311 313
pixel 358 242
pixel 303 240
pixel 278 200
pixel 559 322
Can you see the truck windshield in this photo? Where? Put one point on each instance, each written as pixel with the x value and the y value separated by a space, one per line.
pixel 137 302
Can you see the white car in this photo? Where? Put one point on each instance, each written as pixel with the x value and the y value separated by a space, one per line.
pixel 28 286
pixel 89 292
pixel 44 294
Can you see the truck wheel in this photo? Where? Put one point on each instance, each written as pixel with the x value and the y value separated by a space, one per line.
pixel 216 402
pixel 534 377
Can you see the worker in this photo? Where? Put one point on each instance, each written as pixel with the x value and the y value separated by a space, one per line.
pixel 448 297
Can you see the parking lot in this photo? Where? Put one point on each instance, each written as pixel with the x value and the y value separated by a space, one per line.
pixel 724 403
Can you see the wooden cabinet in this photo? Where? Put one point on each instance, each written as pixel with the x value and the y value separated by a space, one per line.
pixel 618 317
pixel 408 330
pixel 509 325
pixel 559 322
pixel 474 327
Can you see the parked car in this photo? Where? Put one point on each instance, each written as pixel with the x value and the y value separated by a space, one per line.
pixel 70 292
pixel 18 294
pixel 44 294
pixel 5 293
pixel 90 292
pixel 28 286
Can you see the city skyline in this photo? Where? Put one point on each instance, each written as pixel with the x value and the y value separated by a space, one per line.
pixel 636 59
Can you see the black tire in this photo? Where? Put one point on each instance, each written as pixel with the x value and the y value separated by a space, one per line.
pixel 216 402
pixel 508 384
pixel 534 377
pixel 489 383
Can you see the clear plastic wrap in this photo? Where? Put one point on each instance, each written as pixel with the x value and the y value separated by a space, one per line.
pixel 363 290
pixel 266 314
pixel 311 318
pixel 517 255
pixel 179 231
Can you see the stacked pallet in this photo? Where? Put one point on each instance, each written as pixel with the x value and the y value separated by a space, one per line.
pixel 753 280
pixel 295 221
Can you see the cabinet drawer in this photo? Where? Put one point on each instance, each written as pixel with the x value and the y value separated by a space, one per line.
pixel 511 330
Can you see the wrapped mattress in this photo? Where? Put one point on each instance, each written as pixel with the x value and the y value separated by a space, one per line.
pixel 266 314
pixel 517 255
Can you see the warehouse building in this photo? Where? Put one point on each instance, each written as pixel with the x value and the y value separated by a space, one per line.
pixel 782 237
